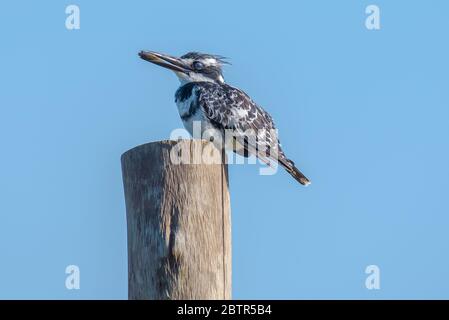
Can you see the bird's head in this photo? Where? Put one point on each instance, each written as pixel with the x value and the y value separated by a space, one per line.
pixel 191 67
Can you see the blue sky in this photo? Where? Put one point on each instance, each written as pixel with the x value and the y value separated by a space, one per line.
pixel 363 113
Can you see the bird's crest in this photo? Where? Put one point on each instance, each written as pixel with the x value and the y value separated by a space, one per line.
pixel 198 55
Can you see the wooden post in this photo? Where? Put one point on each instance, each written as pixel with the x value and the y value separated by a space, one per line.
pixel 179 223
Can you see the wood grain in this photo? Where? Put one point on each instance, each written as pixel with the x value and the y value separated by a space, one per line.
pixel 179 223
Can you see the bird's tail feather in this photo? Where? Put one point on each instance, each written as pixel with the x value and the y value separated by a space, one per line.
pixel 289 166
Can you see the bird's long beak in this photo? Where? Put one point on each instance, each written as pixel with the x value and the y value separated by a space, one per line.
pixel 165 61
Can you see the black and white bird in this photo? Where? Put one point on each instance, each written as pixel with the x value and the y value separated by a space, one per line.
pixel 205 97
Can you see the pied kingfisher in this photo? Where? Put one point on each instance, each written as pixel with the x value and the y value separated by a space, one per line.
pixel 204 96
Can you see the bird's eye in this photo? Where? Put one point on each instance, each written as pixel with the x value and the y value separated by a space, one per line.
pixel 198 65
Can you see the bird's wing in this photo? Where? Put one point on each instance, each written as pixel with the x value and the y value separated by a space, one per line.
pixel 227 107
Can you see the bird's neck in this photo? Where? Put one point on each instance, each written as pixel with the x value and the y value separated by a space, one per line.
pixel 195 77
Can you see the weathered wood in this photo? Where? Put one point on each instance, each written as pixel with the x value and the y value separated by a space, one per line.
pixel 179 228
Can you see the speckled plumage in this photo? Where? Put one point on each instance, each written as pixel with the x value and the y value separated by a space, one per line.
pixel 204 97
pixel 223 107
